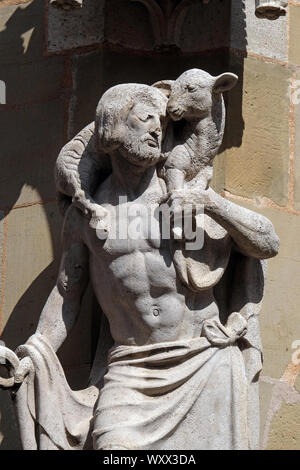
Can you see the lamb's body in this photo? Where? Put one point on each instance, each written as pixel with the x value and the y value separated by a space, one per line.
pixel 193 155
pixel 196 99
pixel 79 169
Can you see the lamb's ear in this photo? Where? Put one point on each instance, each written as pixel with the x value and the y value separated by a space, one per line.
pixel 225 82
pixel 164 86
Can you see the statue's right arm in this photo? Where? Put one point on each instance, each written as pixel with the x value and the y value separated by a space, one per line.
pixel 63 305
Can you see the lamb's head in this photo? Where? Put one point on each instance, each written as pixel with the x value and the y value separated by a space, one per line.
pixel 194 93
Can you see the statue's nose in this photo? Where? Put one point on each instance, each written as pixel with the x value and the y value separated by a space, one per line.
pixel 156 132
pixel 155 127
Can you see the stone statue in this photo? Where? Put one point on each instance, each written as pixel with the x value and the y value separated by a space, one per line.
pixel 179 352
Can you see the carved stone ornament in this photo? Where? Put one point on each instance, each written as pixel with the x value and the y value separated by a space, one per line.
pixel 177 270
pixel 66 4
pixel 167 17
pixel 270 9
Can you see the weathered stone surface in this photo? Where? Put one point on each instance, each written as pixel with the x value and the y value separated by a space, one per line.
pixel 139 26
pixel 197 34
pixel 279 317
pixel 128 25
pixel 259 166
pixel 280 313
pixel 285 430
pixel 21 32
pixel 294 42
pixel 33 235
pixel 32 240
pixel 81 108
pixel 29 154
pixel 76 28
pixel 40 82
pixel 265 396
pixel 260 36
pixel 279 320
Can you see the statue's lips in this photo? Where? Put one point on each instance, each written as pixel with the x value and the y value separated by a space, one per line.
pixel 152 143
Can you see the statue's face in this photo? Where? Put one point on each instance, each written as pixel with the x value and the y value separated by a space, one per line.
pixel 143 135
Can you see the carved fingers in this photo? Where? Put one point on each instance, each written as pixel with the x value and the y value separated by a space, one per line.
pixel 187 204
pixel 181 200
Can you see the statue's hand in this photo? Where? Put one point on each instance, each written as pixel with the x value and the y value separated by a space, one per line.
pixel 187 203
pixel 25 366
pixel 183 201
pixel 203 199
pixel 18 369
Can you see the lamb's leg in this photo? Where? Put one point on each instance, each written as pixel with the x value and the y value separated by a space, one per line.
pixel 175 182
pixel 202 179
pixel 95 212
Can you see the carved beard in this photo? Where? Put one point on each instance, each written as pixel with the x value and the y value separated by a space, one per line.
pixel 138 151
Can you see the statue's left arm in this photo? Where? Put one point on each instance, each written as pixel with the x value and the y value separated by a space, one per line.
pixel 252 233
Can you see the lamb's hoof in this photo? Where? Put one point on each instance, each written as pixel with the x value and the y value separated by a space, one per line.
pixel 97 223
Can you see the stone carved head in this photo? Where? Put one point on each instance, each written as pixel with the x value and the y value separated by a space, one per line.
pixel 191 96
pixel 130 118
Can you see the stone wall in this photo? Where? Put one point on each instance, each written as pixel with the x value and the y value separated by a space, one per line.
pixel 262 171
pixel 56 66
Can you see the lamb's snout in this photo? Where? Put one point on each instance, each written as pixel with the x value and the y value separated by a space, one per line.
pixel 176 112
pixel 175 109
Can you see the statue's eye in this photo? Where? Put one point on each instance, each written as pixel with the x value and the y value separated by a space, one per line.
pixel 144 117
pixel 191 88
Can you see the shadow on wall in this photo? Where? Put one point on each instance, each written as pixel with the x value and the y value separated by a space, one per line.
pixel 34 123
pixel 238 49
pixel 33 119
pixel 26 155
pixel 32 137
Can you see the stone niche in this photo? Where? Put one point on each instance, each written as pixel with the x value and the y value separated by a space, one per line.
pixel 139 25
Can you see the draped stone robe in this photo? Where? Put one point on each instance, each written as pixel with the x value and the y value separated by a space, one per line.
pixel 189 394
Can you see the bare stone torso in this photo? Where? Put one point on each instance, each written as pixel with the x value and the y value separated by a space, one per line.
pixel 136 283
